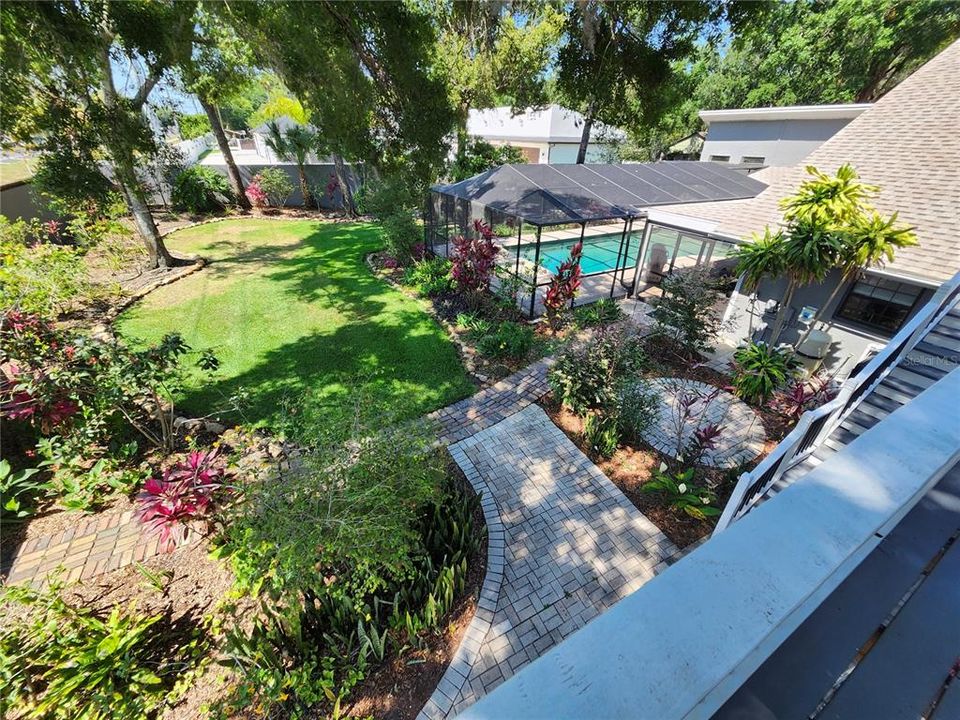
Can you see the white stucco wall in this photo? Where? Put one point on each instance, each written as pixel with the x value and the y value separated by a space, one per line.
pixel 779 142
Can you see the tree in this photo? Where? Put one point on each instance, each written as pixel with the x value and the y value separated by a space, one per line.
pixel 363 72
pixel 804 53
pixel 477 156
pixel 296 143
pixel 59 93
pixel 218 67
pixel 810 53
pixel 829 225
pixel 489 56
pixel 617 58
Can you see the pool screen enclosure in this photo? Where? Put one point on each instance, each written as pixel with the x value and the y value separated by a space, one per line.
pixel 539 212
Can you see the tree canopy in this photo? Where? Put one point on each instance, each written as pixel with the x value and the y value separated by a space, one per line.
pixel 363 72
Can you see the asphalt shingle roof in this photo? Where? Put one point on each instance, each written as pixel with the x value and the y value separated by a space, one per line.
pixel 908 143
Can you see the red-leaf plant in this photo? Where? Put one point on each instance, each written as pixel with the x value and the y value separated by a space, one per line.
pixel 803 395
pixel 474 259
pixel 563 287
pixel 183 495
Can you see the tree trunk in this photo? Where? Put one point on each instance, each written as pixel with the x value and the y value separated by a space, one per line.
pixel 233 173
pixel 347 194
pixel 158 255
pixel 782 311
pixel 308 201
pixel 585 135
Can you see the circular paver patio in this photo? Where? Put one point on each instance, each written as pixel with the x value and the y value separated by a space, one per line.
pixel 742 434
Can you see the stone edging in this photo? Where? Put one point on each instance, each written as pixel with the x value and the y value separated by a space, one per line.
pixel 455 676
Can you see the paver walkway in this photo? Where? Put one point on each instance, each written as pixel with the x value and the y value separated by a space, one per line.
pixel 564 545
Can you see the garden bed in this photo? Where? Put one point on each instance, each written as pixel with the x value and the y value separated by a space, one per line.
pixel 635 462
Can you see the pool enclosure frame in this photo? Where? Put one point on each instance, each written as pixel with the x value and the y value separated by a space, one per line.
pixel 452 209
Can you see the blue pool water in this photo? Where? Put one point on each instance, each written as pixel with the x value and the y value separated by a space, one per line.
pixel 599 253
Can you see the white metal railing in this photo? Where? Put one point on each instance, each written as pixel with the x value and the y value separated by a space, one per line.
pixel 815 425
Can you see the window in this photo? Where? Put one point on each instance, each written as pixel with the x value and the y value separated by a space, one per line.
pixel 879 303
pixel 752 159
pixel 719 158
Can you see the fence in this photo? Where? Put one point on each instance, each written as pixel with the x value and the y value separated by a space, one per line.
pixel 816 425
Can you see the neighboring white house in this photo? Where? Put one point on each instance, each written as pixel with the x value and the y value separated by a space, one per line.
pixel 551 135
pixel 772 135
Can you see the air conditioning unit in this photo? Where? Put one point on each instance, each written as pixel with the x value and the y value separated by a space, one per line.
pixel 817 345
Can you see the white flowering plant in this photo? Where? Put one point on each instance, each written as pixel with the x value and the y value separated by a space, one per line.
pixel 682 494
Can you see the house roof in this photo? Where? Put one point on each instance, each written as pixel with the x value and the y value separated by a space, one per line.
pixel 789 112
pixel 551 194
pixel 908 143
pixel 551 124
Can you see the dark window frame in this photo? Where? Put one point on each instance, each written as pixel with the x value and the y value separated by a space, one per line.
pixel 858 322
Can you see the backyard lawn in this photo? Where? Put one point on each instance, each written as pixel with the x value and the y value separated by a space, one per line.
pixel 299 324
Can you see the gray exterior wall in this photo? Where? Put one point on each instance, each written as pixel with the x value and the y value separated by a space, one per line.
pixel 850 341
pixel 317 175
pixel 18 201
pixel 779 142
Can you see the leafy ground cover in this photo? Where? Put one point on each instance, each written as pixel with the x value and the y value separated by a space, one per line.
pixel 295 316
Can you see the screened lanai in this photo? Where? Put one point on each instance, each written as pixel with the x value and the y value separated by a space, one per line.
pixel 539 212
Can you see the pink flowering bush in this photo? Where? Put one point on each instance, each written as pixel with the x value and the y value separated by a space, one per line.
pixel 474 259
pixel 255 194
pixel 183 496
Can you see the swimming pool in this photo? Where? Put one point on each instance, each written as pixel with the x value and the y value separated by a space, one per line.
pixel 599 253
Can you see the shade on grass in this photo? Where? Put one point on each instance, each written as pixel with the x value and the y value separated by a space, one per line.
pixel 299 322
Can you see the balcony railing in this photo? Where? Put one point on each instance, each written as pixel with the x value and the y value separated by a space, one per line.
pixel 815 425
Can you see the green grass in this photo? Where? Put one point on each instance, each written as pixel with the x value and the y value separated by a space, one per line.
pixel 299 323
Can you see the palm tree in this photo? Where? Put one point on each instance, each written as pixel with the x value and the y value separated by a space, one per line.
pixel 803 252
pixel 867 242
pixel 814 240
pixel 295 144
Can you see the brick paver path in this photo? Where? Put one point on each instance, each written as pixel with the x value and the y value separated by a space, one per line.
pixel 568 545
pixel 89 548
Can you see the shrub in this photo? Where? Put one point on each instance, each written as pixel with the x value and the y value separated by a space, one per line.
pixel 275 184
pixel 255 193
pixel 183 496
pixel 474 259
pixel 37 277
pixel 193 125
pixel 431 276
pixel 588 377
pixel 200 189
pixel 563 287
pixel 372 534
pixel 682 494
pixel 686 313
pixel 392 202
pixel 599 314
pixel 508 340
pixel 638 406
pixel 59 660
pixel 503 230
pixel 601 433
pixel 761 369
pixel 84 398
